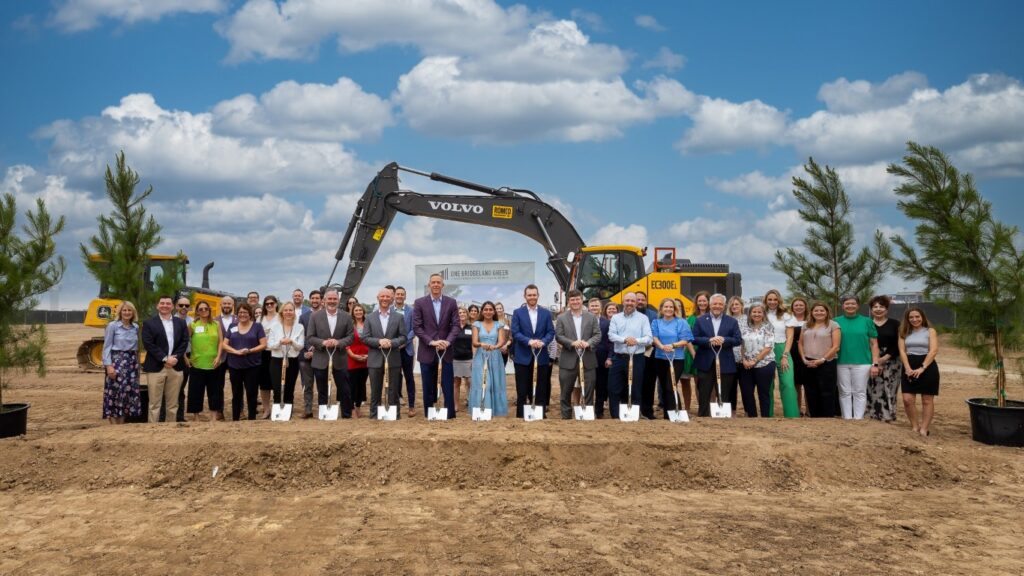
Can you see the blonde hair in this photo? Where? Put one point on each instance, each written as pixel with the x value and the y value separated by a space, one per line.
pixel 130 306
pixel 781 310
pixel 728 306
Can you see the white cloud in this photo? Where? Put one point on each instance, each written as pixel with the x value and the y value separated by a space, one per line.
pixel 845 97
pixel 593 20
pixel 667 60
pixel 649 22
pixel 754 184
pixel 182 147
pixel 78 15
pixel 724 126
pixel 614 234
pixel 864 183
pixel 338 112
pixel 436 99
pixel 295 28
pixel 701 229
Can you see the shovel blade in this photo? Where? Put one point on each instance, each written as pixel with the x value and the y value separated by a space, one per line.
pixel 678 416
pixel 437 413
pixel 482 415
pixel 281 412
pixel 629 413
pixel 390 413
pixel 584 412
pixel 723 410
pixel 533 413
pixel 328 412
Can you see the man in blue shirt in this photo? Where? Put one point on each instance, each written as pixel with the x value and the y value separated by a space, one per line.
pixel 629 332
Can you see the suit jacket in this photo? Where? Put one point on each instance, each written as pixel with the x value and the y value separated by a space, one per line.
pixel 427 328
pixel 565 333
pixel 320 330
pixel 703 331
pixel 154 340
pixel 523 332
pixel 410 336
pixel 372 333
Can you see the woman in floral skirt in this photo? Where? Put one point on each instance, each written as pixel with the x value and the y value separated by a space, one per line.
pixel 121 397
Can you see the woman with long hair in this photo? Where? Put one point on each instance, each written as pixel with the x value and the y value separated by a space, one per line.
pixel 671 336
pixel 819 343
pixel 286 338
pixel 358 352
pixel 757 355
pixel 462 356
pixel 121 395
pixel 919 343
pixel 269 317
pixel 488 337
pixel 798 311
pixel 780 319
pixel 701 306
pixel 734 307
pixel 882 388
pixel 207 353
pixel 243 343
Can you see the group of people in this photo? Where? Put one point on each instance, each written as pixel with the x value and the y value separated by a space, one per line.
pixel 850 365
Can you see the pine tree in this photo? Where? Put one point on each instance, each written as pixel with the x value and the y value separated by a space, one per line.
pixel 827 269
pixel 28 268
pixel 967 259
pixel 125 242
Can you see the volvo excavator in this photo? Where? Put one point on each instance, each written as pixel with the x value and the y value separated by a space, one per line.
pixel 607 272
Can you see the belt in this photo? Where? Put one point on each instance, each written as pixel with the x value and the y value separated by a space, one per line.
pixel 622 355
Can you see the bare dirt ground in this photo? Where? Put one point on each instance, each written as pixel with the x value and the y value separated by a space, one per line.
pixel 414 497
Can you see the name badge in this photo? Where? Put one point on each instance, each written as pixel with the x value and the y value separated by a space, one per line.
pixel 234 329
pixel 200 329
pixel 469 331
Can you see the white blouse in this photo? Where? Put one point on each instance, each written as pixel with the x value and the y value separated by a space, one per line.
pixel 778 324
pixel 276 333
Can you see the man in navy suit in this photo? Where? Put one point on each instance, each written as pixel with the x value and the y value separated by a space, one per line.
pixel 435 322
pixel 532 330
pixel 165 338
pixel 715 332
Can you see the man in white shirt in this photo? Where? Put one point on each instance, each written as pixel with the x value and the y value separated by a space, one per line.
pixel 330 332
pixel 306 358
pixel 579 332
pixel 630 333
pixel 165 338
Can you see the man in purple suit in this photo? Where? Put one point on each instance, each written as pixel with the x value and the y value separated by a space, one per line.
pixel 435 321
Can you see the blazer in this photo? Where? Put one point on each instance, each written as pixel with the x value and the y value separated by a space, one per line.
pixel 703 331
pixel 427 328
pixel 372 334
pixel 410 336
pixel 565 333
pixel 154 340
pixel 320 330
pixel 523 332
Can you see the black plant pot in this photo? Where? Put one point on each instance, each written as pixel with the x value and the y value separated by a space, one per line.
pixel 143 416
pixel 991 424
pixel 13 420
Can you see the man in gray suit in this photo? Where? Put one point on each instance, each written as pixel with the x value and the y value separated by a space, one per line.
pixel 383 334
pixel 576 330
pixel 331 331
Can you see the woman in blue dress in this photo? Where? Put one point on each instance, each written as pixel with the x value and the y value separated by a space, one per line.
pixel 488 338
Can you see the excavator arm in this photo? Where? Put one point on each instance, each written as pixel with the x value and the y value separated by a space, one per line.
pixel 517 210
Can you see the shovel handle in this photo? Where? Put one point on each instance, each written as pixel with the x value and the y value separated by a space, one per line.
pixel 718 373
pixel 629 376
pixel 536 361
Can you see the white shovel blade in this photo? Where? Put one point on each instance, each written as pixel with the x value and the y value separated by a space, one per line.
pixel 723 410
pixel 482 414
pixel 678 416
pixel 389 413
pixel 584 412
pixel 281 412
pixel 629 414
pixel 437 413
pixel 533 413
pixel 329 412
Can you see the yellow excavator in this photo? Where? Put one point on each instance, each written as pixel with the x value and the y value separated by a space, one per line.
pixel 105 308
pixel 607 272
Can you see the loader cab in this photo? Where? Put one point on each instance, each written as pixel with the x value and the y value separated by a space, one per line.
pixel 156 267
pixel 604 271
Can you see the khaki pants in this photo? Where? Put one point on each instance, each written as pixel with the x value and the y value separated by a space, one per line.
pixel 163 386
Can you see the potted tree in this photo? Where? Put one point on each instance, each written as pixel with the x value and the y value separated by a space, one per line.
pixel 968 261
pixel 27 269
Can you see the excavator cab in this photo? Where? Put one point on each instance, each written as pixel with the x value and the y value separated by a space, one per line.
pixel 605 271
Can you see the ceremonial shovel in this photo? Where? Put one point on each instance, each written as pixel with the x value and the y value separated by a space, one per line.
pixel 583 410
pixel 533 412
pixel 282 412
pixel 629 412
pixel 387 412
pixel 329 411
pixel 679 414
pixel 479 412
pixel 720 409
pixel 435 413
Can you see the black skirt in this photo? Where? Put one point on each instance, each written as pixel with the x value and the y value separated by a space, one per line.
pixel 926 383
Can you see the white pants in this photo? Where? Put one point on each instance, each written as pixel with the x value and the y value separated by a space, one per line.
pixel 853 389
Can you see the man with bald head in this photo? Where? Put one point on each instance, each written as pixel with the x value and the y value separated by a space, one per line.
pixel 384 335
pixel 629 332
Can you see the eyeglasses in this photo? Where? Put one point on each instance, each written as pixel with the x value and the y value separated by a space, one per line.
pixel 184 305
pixel 270 303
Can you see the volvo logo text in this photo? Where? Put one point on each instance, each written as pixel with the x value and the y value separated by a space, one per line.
pixel 451 207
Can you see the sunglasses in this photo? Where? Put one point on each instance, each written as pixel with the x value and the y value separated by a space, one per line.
pixel 184 305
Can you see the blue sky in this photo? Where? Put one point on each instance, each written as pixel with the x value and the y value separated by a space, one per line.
pixel 654 123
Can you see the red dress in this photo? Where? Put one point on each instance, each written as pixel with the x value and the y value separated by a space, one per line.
pixel 357 371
